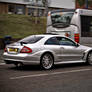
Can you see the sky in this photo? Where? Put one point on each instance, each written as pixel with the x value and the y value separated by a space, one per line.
pixel 54 3
pixel 63 3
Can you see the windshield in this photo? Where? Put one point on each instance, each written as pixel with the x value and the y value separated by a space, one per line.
pixel 63 18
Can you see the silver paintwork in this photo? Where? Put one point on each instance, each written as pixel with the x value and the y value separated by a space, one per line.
pixel 61 53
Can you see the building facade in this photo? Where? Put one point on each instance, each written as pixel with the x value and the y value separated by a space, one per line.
pixel 38 8
pixel 83 4
pixel 32 7
pixel 26 7
pixel 13 7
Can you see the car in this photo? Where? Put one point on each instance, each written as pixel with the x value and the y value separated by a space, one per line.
pixel 46 50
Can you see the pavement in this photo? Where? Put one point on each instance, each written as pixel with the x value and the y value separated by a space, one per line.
pixel 62 78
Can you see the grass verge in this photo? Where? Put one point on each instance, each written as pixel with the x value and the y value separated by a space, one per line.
pixel 20 26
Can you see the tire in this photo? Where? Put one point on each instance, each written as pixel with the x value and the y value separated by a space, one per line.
pixel 17 65
pixel 89 58
pixel 47 61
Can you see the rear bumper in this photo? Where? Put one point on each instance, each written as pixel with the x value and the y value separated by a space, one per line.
pixel 23 62
pixel 21 58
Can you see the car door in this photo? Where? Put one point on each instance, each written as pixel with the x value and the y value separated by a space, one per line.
pixel 70 51
pixel 52 45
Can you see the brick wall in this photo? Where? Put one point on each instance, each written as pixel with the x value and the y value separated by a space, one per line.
pixel 3 8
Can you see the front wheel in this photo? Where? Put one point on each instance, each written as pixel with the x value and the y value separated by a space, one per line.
pixel 47 61
pixel 89 58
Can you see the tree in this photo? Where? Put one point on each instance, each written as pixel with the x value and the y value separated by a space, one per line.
pixel 46 4
pixel 81 2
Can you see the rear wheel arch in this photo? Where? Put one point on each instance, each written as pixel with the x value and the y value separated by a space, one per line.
pixel 87 61
pixel 48 52
pixel 47 64
pixel 89 52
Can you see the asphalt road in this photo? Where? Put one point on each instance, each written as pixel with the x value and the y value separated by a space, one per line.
pixel 63 78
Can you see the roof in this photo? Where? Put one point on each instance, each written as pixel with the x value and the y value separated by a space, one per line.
pixel 15 1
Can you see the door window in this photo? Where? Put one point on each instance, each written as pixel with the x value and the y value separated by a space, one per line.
pixel 60 41
pixel 52 41
pixel 66 41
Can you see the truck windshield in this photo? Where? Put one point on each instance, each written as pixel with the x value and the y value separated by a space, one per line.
pixel 61 19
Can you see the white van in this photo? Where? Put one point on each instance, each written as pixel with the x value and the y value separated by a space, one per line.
pixel 76 24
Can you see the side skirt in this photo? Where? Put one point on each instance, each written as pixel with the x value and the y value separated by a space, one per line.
pixel 69 62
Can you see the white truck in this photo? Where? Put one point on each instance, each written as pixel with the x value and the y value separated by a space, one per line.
pixel 73 23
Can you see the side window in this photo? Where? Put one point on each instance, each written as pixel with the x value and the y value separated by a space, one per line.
pixel 67 42
pixel 52 41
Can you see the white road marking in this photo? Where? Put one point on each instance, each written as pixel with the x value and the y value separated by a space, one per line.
pixel 45 74
pixel 2 63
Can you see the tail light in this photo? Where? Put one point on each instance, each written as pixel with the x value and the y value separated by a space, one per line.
pixel 26 50
pixel 76 37
pixel 5 50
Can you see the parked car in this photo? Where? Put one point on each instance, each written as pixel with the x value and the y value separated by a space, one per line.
pixel 47 50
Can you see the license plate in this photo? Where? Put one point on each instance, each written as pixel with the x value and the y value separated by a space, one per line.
pixel 13 49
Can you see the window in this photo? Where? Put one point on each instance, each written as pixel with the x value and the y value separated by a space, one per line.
pixel 40 3
pixel 11 8
pixel 61 19
pixel 65 41
pixel 86 26
pixel 31 39
pixel 20 9
pixel 60 41
pixel 52 41
pixel 16 9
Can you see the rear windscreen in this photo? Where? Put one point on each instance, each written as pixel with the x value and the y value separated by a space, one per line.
pixel 31 39
pixel 61 17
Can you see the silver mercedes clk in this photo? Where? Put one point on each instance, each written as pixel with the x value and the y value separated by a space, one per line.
pixel 46 50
